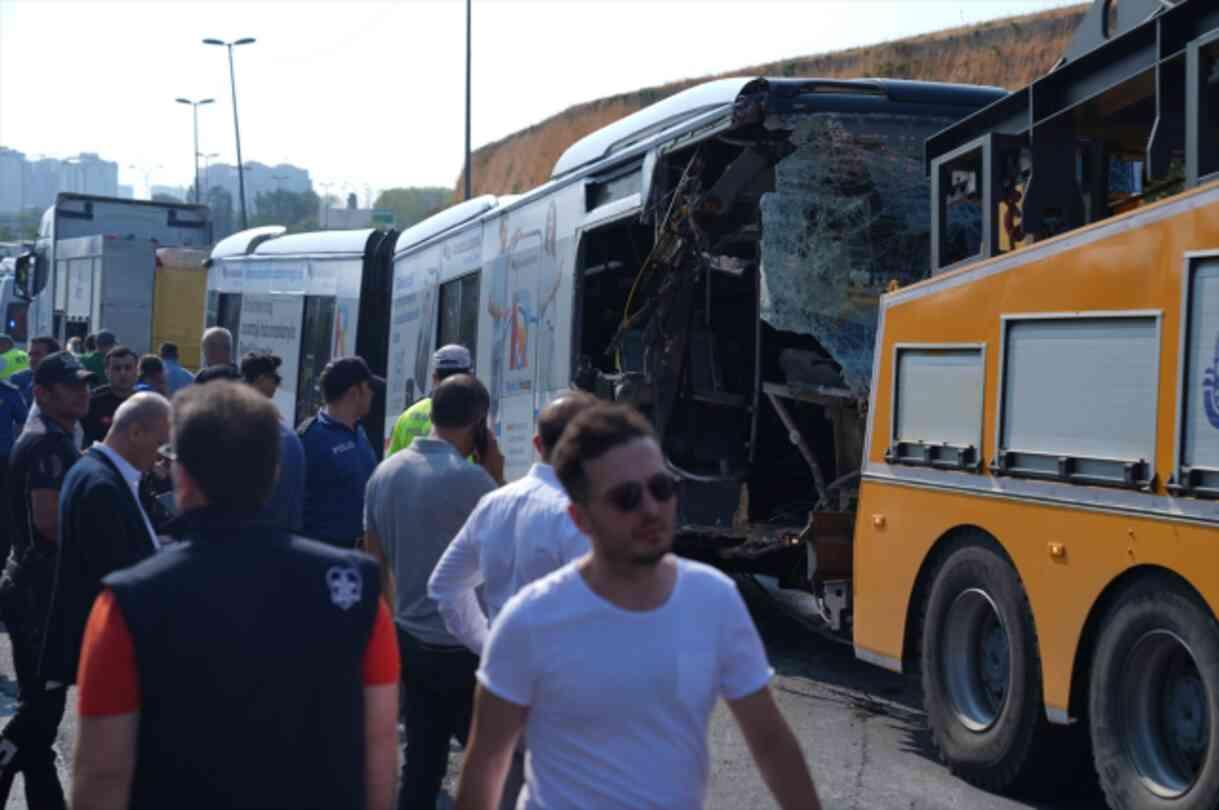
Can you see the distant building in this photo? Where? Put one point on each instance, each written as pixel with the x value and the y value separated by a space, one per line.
pixel 126 192
pixel 259 179
pixel 26 184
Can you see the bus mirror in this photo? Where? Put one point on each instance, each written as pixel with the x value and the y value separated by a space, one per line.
pixel 23 275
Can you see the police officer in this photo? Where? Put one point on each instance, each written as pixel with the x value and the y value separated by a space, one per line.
pixel 40 347
pixel 122 369
pixel 339 459
pixel 39 461
pixel 13 414
pixel 12 359
pixel 416 421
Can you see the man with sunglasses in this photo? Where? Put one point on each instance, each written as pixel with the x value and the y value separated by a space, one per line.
pixel 612 664
pixel 285 507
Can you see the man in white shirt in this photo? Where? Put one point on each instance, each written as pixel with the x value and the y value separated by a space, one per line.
pixel 612 664
pixel 517 534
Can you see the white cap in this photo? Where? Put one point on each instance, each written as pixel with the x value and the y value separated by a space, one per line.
pixel 452 357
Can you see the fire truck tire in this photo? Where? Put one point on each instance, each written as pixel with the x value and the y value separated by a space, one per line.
pixel 1154 701
pixel 981 671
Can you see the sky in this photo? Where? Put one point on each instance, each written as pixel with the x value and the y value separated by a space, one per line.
pixel 370 95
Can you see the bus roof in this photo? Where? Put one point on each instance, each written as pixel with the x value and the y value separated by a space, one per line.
pixel 449 218
pixel 244 242
pixel 669 112
pixel 317 242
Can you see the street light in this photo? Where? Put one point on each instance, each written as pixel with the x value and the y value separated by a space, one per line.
pixel 468 99
pixel 245 223
pixel 195 110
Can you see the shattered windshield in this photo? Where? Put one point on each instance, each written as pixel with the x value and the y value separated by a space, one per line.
pixel 848 216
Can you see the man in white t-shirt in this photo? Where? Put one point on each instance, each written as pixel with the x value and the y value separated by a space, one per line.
pixel 612 664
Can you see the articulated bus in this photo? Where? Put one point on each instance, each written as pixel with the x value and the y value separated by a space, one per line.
pixel 1038 528
pixel 308 298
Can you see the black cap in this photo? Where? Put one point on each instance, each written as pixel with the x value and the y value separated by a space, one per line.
pixel 344 372
pixel 221 371
pixel 61 368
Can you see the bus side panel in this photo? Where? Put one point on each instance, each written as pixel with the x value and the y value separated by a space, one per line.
pixel 411 332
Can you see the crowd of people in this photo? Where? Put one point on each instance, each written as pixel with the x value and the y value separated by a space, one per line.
pixel 248 610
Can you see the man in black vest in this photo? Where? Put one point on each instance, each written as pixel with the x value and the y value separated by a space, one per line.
pixel 102 527
pixel 241 666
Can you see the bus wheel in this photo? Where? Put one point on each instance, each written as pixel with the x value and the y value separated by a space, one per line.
pixel 1154 702
pixel 981 671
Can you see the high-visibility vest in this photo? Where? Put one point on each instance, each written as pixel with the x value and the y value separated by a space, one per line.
pixel 414 421
pixel 12 361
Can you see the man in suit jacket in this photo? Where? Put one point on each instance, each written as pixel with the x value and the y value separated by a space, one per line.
pixel 102 527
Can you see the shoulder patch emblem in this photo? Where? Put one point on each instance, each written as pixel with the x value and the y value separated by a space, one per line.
pixel 345 584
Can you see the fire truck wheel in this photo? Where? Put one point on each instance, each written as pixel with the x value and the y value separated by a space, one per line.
pixel 1154 702
pixel 981 671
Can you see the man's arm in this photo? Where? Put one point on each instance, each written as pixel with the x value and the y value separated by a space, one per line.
pixel 105 761
pixel 373 545
pixel 452 586
pixel 776 751
pixel 496 727
pixel 380 745
pixel 44 508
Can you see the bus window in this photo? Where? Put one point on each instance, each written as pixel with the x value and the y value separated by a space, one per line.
pixel 459 312
pixel 315 353
pixel 228 313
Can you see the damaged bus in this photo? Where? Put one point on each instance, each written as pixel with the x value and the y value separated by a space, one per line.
pixel 714 259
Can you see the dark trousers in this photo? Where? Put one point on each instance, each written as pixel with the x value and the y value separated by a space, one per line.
pixel 439 688
pixel 6 520
pixel 27 742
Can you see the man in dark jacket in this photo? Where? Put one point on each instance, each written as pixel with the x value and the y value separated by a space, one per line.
pixel 39 462
pixel 202 667
pixel 122 368
pixel 102 527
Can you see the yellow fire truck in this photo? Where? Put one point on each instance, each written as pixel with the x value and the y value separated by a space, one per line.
pixel 1037 529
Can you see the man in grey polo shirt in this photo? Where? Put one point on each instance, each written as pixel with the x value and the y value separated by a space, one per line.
pixel 416 502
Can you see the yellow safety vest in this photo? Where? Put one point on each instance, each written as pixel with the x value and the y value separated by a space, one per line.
pixel 15 360
pixel 414 421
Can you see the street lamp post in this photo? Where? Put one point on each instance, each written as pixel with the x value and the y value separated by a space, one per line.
pixel 468 17
pixel 195 110
pixel 245 222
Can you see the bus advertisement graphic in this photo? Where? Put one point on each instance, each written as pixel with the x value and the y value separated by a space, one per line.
pixel 1210 389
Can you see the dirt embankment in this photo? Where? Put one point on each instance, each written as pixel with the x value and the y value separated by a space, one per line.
pixel 1007 53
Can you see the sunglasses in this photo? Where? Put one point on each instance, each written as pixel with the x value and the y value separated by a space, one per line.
pixel 628 496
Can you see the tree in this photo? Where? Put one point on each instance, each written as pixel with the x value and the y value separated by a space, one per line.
pixel 297 211
pixel 411 205
pixel 352 202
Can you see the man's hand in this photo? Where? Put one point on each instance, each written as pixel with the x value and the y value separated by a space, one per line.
pixel 496 727
pixel 491 459
pixel 776 751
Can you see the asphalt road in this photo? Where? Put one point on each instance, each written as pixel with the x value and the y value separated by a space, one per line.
pixel 862 730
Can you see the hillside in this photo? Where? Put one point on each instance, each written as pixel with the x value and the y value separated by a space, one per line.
pixel 1007 53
